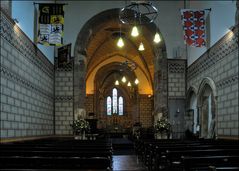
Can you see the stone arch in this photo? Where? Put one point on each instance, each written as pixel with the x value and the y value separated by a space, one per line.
pixel 192 89
pixel 207 98
pixel 81 59
pixel 191 117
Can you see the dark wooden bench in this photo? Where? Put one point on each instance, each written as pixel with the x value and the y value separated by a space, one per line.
pixel 54 154
pixel 213 168
pixel 153 152
pixel 198 163
pixel 173 158
pixel 16 162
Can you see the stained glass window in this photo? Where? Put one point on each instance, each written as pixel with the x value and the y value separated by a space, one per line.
pixel 121 105
pixel 109 105
pixel 115 104
pixel 114 100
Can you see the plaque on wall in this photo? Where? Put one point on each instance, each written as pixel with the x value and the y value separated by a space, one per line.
pixel 64 55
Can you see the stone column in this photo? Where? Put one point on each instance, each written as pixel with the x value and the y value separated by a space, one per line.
pixel 160 82
pixel 79 83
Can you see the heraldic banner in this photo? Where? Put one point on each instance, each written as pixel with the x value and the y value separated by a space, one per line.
pixel 194 27
pixel 51 24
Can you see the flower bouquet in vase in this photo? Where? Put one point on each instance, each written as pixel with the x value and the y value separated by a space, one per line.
pixel 80 126
pixel 162 128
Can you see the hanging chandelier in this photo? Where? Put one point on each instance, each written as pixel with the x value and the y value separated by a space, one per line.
pixel 131 66
pixel 139 13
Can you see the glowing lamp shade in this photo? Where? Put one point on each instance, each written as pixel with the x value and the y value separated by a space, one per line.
pixel 116 82
pixel 129 84
pixel 141 47
pixel 120 42
pixel 123 79
pixel 157 38
pixel 134 32
pixel 136 81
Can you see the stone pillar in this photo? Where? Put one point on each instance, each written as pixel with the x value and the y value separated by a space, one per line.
pixel 79 83
pixel 160 82
pixel 64 99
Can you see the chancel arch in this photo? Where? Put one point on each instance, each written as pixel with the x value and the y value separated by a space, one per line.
pixel 95 52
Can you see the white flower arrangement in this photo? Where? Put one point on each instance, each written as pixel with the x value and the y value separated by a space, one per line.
pixel 162 125
pixel 80 125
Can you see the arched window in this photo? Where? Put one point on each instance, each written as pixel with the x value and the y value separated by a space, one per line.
pixel 115 104
pixel 109 111
pixel 114 100
pixel 121 105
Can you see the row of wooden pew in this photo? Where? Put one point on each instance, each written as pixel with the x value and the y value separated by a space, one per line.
pixel 56 153
pixel 181 155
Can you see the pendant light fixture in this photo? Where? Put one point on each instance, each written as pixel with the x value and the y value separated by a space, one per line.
pixel 157 38
pixel 134 31
pixel 129 84
pixel 136 81
pixel 123 79
pixel 120 42
pixel 116 82
pixel 141 47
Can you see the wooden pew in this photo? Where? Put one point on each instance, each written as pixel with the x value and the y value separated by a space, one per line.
pixel 56 154
pixel 200 163
pixel 213 168
pixel 54 162
pixel 173 158
pixel 152 152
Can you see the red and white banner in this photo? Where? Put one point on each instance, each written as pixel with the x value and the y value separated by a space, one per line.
pixel 194 27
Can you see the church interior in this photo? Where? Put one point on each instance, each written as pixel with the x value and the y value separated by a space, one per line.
pixel 119 85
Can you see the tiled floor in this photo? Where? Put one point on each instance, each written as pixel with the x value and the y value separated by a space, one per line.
pixel 127 163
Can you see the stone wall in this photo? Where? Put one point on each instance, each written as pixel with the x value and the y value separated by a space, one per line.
pixel 6 6
pixel 176 95
pixel 176 78
pixel 64 99
pixel 220 63
pixel 145 111
pixel 26 85
pixel 89 104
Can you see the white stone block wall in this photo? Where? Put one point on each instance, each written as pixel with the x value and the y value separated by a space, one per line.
pixel 220 63
pixel 26 85
pixel 176 78
pixel 64 100
pixel 176 95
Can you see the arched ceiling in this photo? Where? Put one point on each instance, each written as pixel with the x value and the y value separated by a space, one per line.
pixel 101 49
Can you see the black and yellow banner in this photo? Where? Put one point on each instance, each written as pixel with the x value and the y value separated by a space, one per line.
pixel 51 24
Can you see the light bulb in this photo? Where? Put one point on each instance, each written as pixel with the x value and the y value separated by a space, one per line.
pixel 129 84
pixel 116 82
pixel 136 81
pixel 120 42
pixel 141 47
pixel 157 38
pixel 134 32
pixel 123 79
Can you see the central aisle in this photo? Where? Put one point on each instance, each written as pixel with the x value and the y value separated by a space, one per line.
pixel 127 163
